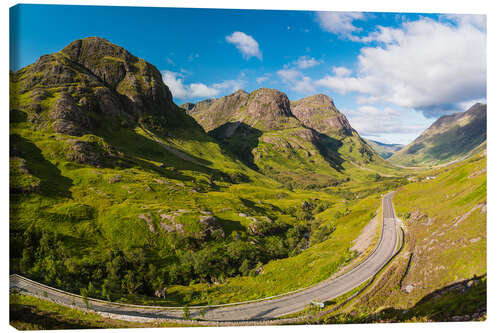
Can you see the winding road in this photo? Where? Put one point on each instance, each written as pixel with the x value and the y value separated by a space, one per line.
pixel 246 311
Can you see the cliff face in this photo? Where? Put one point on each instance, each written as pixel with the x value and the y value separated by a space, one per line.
pixel 263 109
pixel 212 113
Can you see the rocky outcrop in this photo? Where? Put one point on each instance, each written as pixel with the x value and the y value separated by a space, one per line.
pixel 85 152
pixel 213 113
pixel 269 109
pixel 318 112
pixel 68 118
pixel 211 227
pixel 263 109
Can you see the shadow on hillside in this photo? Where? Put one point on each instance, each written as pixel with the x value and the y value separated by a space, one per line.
pixel 329 149
pixel 229 226
pixel 29 317
pixel 456 300
pixel 239 139
pixel 52 183
pixel 458 141
pixel 142 150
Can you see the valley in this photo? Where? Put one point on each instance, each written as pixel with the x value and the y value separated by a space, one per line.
pixel 119 195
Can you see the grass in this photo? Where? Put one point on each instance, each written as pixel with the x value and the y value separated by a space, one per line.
pixel 31 313
pixel 127 219
pixel 100 211
pixel 421 282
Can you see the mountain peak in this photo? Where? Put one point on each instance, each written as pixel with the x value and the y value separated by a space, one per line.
pixel 270 101
pixel 104 81
pixel 319 112
pixel 240 92
pixel 319 98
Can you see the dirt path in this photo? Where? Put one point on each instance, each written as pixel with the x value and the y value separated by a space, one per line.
pixel 367 236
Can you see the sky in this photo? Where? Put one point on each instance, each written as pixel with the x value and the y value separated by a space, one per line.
pixel 391 74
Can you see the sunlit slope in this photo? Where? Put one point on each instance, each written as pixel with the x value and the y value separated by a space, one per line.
pixel 444 217
pixel 117 193
pixel 448 138
pixel 440 272
pixel 304 144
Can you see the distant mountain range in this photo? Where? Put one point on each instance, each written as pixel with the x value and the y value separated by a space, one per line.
pixel 447 139
pixel 385 150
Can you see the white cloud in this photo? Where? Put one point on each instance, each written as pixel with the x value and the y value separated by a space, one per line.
pixel 479 21
pixel 230 85
pixel 180 90
pixel 304 85
pixel 341 71
pixel 306 62
pixel 381 34
pixel 261 79
pixel 340 23
pixel 246 44
pixel 288 74
pixel 374 122
pixel 174 83
pixel 296 81
pixel 426 65
pixel 202 90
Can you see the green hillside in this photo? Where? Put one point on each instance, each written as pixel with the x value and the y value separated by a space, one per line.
pixel 449 138
pixel 304 144
pixel 440 274
pixel 117 193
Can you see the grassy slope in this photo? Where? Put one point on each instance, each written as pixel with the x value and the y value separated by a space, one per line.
pixel 99 213
pixel 94 209
pixel 31 313
pixel 448 139
pixel 436 254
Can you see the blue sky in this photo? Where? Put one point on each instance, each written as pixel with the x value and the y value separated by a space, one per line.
pixel 392 74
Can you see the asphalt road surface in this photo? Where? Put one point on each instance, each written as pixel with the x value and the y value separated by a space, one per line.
pixel 251 311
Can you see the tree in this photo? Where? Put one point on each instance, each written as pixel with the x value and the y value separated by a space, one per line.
pixel 244 267
pixel 130 282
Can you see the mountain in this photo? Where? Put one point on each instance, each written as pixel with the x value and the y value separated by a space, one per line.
pixel 119 194
pixel 92 84
pixel 320 113
pixel 116 178
pixel 449 138
pixel 303 143
pixel 385 150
